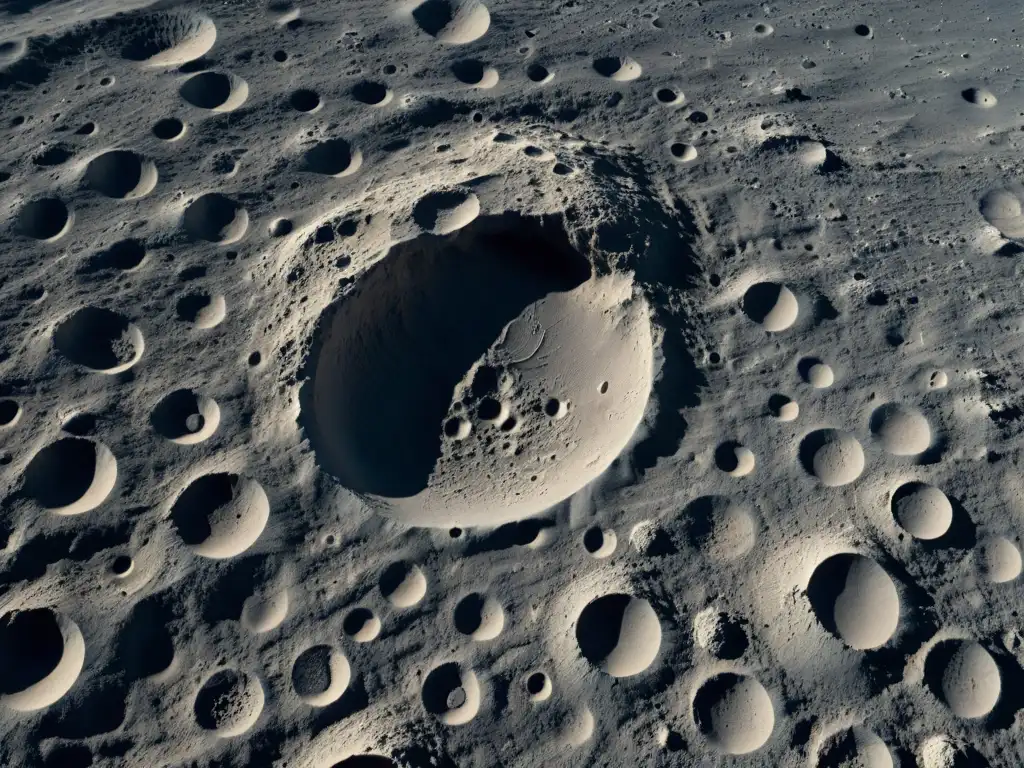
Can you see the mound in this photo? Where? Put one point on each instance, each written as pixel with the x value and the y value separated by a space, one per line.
pixel 834 457
pixel 971 683
pixel 999 559
pixel 1002 209
pixel 855 599
pixel 922 509
pixel 262 612
pixel 721 528
pixel 902 429
pixel 620 634
pixel 41 656
pixel 524 394
pixel 170 39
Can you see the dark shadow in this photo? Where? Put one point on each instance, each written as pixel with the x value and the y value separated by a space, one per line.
pixel 468 71
pixel 710 697
pixel 803 367
pixel 824 309
pixel 509 535
pixel 237 581
pixel 730 639
pixel 171 416
pixel 31 647
pixel 431 315
pixel 61 473
pixel 99 710
pixel 469 613
pixel 369 93
pixel 598 627
pixel 760 299
pixel 366 761
pixel 95 338
pixel 144 646
pixel 1011 698
pixel 355 699
pixel 433 15
pixel 35 555
pixel 725 456
pixel 607 65
pixel 69 756
pixel 331 157
pixel 826 584
pixel 193 508
pixel 207 90
pixel 935 665
pixel 962 533
pixel 425 213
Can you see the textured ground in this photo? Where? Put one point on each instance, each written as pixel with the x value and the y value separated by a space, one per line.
pixel 520 384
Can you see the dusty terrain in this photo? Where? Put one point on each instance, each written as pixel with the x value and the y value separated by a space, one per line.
pixel 510 383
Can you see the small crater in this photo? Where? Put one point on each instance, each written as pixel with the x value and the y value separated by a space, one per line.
pixel 100 340
pixel 169 129
pixel 45 219
pixel 305 100
pixel 373 94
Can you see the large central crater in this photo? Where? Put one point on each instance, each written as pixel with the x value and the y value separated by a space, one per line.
pixel 478 378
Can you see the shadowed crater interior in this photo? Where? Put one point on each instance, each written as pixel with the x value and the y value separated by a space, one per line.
pixel 388 356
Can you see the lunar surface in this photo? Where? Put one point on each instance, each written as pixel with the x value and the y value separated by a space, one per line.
pixel 455 383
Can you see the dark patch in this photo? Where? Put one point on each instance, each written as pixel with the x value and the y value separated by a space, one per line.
pixel 598 626
pixel 509 535
pixel 98 710
pixel 31 647
pixel 144 647
pixel 824 310
pixel 369 93
pixel 55 155
pixel 35 555
pixel 237 581
pixel 123 255
pixel 61 473
pixel 433 15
